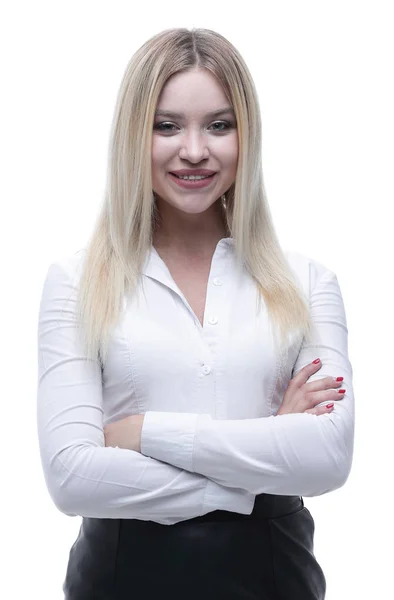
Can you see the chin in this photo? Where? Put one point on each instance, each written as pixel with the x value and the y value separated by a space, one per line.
pixel 189 205
pixel 192 209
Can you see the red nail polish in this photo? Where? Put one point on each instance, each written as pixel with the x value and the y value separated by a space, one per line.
pixel 339 379
pixel 341 391
pixel 317 360
pixel 330 405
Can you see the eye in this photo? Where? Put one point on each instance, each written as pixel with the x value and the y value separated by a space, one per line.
pixel 165 126
pixel 160 126
pixel 226 125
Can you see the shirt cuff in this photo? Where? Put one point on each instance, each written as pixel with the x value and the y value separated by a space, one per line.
pixel 219 497
pixel 169 437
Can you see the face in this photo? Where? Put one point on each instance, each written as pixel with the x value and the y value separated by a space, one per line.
pixel 194 139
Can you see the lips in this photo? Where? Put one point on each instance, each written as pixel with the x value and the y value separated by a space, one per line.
pixel 202 172
pixel 193 184
pixel 205 176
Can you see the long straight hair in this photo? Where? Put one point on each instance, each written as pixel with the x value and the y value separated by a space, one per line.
pixel 122 234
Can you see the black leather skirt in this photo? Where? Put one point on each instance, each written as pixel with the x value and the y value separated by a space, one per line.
pixel 267 555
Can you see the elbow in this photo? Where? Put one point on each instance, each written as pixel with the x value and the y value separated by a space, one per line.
pixel 68 496
pixel 331 475
pixel 59 492
pixel 65 495
pixel 65 504
pixel 333 481
pixel 342 472
pixel 334 469
pixel 65 486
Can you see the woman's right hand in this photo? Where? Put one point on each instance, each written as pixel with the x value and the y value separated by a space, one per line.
pixel 302 397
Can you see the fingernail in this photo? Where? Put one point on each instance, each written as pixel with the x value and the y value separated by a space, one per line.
pixel 317 360
pixel 330 405
pixel 341 391
pixel 339 379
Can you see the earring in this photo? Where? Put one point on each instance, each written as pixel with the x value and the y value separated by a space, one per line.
pixel 223 198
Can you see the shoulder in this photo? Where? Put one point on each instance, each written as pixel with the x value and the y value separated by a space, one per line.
pixel 66 268
pixel 307 270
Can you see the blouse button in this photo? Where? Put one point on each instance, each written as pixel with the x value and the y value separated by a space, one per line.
pixel 217 281
pixel 213 320
pixel 206 369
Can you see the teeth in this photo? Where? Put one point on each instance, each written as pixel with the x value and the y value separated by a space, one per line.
pixel 193 177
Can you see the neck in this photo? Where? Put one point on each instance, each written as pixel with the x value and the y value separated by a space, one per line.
pixel 189 234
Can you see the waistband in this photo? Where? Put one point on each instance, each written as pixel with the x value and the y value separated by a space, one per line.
pixel 266 506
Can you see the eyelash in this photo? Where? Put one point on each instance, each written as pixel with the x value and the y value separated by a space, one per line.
pixel 228 126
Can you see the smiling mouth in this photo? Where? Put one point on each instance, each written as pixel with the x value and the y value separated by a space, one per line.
pixel 194 184
pixel 198 177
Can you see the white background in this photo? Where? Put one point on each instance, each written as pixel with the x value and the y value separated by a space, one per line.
pixel 324 74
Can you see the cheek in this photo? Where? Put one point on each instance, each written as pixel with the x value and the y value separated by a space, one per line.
pixel 228 150
pixel 161 150
pixel 229 159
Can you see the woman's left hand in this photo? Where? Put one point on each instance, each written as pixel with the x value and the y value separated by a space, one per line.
pixel 125 433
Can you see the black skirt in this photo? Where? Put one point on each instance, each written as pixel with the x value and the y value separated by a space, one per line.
pixel 267 555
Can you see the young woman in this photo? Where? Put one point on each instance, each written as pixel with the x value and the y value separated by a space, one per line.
pixel 194 380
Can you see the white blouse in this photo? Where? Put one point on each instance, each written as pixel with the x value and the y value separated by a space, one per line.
pixel 210 438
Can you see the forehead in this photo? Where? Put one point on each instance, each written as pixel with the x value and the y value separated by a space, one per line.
pixel 192 92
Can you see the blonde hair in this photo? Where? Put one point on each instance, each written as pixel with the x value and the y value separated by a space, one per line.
pixel 122 235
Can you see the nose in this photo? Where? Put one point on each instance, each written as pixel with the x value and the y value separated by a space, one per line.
pixel 194 147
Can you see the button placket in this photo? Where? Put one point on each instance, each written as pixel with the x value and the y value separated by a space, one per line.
pixel 213 320
pixel 213 334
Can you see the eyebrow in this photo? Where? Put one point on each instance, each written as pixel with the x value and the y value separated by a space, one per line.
pixel 175 115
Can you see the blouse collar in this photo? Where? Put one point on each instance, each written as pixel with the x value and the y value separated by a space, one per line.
pixel 156 268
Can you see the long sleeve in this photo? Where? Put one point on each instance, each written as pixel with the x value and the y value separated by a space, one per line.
pixel 292 454
pixel 83 476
